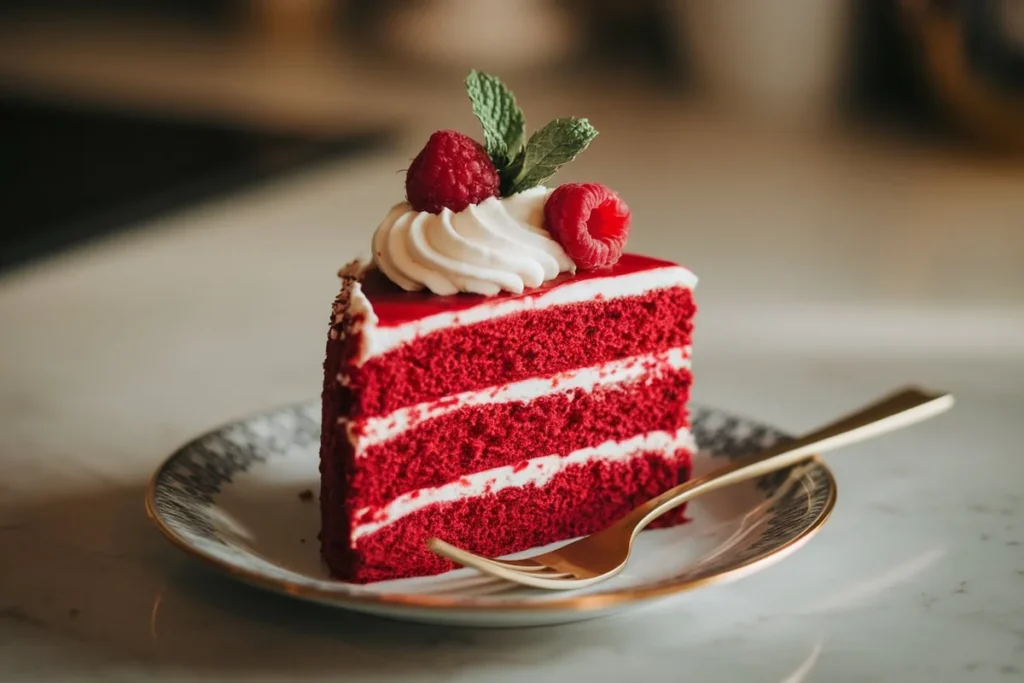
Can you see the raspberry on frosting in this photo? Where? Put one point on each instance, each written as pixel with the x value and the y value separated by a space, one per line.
pixel 452 171
pixel 590 221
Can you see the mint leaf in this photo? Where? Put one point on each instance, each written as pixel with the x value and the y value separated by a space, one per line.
pixel 549 148
pixel 495 107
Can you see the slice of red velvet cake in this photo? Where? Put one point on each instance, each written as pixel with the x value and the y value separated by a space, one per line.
pixel 500 376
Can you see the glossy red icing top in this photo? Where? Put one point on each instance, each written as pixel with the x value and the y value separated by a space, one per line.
pixel 394 306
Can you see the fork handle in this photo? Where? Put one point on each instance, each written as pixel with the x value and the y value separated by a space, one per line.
pixel 897 410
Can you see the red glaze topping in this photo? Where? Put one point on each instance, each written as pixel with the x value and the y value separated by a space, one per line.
pixel 394 306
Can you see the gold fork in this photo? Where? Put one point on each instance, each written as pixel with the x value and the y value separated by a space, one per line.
pixel 602 555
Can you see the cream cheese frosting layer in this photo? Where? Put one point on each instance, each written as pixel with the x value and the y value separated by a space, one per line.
pixel 494 246
pixel 536 472
pixel 376 340
pixel 376 430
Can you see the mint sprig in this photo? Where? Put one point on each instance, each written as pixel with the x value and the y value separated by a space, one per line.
pixel 495 107
pixel 520 166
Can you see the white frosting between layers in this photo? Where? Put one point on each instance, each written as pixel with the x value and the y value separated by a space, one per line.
pixel 378 340
pixel 376 430
pixel 538 472
pixel 498 244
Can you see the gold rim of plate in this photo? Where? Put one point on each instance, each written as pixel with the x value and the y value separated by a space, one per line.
pixel 591 602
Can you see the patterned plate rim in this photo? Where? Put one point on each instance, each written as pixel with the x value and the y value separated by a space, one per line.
pixel 343 594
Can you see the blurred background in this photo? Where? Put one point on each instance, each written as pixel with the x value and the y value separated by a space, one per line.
pixel 180 181
pixel 883 133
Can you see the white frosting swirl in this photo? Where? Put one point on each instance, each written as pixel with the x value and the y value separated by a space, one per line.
pixel 498 244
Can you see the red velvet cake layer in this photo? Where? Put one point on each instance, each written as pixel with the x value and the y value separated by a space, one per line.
pixel 476 438
pixel 515 347
pixel 582 499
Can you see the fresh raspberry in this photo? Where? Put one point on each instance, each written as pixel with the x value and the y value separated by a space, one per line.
pixel 452 171
pixel 589 221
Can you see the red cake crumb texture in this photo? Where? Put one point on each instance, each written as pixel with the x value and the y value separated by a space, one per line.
pixel 359 480
pixel 478 438
pixel 580 500
pixel 509 421
pixel 519 346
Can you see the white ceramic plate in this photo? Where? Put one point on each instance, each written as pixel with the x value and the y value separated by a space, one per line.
pixel 243 499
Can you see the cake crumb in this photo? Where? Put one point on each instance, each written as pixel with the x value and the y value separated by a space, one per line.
pixel 306 495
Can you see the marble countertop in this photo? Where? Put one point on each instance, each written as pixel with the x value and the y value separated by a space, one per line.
pixel 831 272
